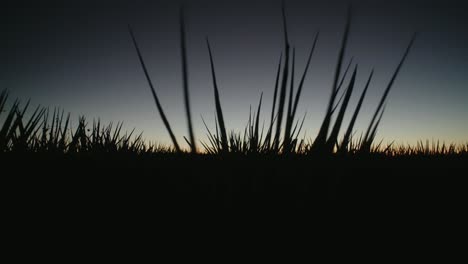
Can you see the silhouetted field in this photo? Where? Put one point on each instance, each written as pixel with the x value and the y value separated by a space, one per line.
pixel 47 165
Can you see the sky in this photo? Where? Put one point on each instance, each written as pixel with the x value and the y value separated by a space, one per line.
pixel 78 55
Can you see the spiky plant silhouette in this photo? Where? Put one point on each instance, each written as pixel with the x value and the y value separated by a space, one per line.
pixel 282 135
pixel 51 131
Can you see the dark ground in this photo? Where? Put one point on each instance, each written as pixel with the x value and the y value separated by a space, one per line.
pixel 118 181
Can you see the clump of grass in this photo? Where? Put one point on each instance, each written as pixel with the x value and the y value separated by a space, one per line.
pixel 427 148
pixel 320 143
pixel 47 131
pixel 183 48
pixel 285 103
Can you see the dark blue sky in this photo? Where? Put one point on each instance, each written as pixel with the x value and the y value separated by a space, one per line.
pixel 78 55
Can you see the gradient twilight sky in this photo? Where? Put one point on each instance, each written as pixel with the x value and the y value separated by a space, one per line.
pixel 78 55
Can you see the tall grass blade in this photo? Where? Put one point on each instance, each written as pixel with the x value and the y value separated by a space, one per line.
pixel 341 85
pixel 321 138
pixel 339 119
pixel 344 75
pixel 272 118
pixel 291 87
pixel 219 110
pixel 284 82
pixel 153 91
pixel 295 133
pixel 389 86
pixel 183 47
pixel 367 142
pixel 289 120
pixel 301 83
pixel 3 99
pixel 257 124
pixel 349 131
pixel 374 130
pixel 8 125
pixel 212 138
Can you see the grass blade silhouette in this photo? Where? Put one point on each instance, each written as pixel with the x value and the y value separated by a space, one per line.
pixel 370 140
pixel 292 107
pixel 153 91
pixel 217 133
pixel 272 118
pixel 257 125
pixel 291 87
pixel 339 118
pixel 219 110
pixel 294 133
pixel 3 98
pixel 212 138
pixel 301 83
pixel 341 85
pixel 349 131
pixel 321 138
pixel 183 48
pixel 389 86
pixel 284 82
pixel 8 125
pixel 289 122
